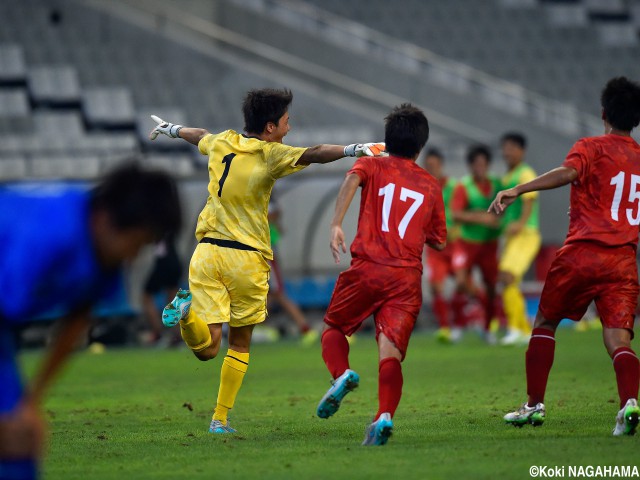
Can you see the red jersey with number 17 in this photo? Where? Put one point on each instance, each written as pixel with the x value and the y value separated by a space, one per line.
pixel 401 209
pixel 605 197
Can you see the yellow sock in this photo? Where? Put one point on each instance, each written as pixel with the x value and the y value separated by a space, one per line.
pixel 195 332
pixel 234 366
pixel 515 308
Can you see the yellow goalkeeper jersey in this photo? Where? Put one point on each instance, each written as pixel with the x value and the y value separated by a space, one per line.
pixel 242 172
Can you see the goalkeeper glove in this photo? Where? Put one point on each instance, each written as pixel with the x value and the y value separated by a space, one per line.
pixel 166 128
pixel 365 150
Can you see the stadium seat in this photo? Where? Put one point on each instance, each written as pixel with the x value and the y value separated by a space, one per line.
pixel 54 86
pixel 15 112
pixel 108 108
pixel 13 69
pixel 12 168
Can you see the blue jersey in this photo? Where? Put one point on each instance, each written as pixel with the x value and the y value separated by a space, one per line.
pixel 47 258
pixel 48 265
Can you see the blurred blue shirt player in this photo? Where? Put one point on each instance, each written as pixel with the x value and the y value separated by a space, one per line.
pixel 61 250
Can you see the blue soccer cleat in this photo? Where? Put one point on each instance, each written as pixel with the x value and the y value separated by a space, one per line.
pixel 177 309
pixel 379 431
pixel 342 385
pixel 218 427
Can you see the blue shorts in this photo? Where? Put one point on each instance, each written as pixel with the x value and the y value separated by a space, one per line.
pixel 11 390
pixel 10 395
pixel 18 470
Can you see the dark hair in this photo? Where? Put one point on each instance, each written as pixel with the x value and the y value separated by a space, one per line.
pixel 406 130
pixel 434 152
pixel 620 100
pixel 515 137
pixel 135 197
pixel 476 150
pixel 263 106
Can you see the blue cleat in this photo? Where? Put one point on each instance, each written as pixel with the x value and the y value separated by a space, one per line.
pixel 342 385
pixel 379 431
pixel 218 427
pixel 177 309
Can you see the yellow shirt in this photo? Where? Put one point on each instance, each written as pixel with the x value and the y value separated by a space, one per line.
pixel 523 173
pixel 242 172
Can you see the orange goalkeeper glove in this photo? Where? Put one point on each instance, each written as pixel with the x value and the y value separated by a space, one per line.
pixel 366 150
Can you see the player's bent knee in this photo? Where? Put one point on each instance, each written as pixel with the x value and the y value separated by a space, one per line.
pixel 207 353
pixel 615 338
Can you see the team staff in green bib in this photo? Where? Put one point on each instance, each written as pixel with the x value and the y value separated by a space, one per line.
pixel 522 235
pixel 477 245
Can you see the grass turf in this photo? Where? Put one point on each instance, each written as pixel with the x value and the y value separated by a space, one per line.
pixel 122 414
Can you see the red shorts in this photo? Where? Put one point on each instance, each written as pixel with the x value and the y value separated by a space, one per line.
pixel 466 255
pixel 439 264
pixel 393 295
pixel 585 272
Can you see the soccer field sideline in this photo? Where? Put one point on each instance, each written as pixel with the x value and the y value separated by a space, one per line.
pixel 144 414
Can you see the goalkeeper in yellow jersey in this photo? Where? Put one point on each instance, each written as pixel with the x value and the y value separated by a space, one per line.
pixel 229 273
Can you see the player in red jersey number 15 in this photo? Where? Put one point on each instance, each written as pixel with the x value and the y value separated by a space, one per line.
pixel 598 259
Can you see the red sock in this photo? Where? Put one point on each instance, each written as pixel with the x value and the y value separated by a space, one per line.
pixel 441 310
pixel 458 302
pixel 627 367
pixel 335 351
pixel 389 386
pixel 539 360
pixel 488 307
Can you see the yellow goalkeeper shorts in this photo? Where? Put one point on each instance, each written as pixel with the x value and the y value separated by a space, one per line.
pixel 228 285
pixel 519 252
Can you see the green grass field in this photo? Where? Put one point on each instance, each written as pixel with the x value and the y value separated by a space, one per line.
pixel 121 415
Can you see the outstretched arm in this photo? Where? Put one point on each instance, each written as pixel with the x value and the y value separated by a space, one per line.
pixel 191 135
pixel 345 196
pixel 553 179
pixel 330 153
pixel 321 154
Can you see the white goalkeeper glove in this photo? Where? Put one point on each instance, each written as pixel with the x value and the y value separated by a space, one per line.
pixel 366 150
pixel 166 128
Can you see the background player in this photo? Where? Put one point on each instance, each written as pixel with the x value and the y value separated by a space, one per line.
pixel 522 230
pixel 477 244
pixel 277 291
pixel 598 258
pixel 439 263
pixel 401 209
pixel 229 273
pixel 65 268
pixel 164 278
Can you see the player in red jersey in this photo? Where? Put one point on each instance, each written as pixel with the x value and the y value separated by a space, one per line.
pixel 401 209
pixel 598 259
pixel 439 265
